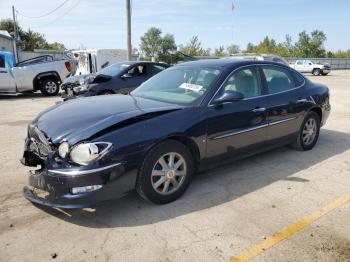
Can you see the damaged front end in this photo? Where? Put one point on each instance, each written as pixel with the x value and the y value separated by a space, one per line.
pixel 60 184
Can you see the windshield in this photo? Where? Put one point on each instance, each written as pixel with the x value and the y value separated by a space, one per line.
pixel 179 86
pixel 113 70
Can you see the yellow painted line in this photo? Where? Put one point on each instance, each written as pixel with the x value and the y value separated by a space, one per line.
pixel 289 230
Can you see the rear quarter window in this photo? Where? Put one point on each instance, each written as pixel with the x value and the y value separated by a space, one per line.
pixel 299 80
pixel 278 79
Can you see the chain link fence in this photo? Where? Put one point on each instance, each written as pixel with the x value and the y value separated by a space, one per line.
pixel 335 63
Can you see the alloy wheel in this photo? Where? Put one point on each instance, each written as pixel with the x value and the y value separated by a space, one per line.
pixel 309 131
pixel 51 87
pixel 168 173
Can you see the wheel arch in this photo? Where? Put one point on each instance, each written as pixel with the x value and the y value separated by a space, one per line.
pixel 37 79
pixel 318 111
pixel 188 142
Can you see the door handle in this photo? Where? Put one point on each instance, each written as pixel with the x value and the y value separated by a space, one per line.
pixel 302 100
pixel 259 110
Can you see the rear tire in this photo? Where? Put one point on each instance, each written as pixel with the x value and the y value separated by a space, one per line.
pixel 166 172
pixel 316 72
pixel 309 132
pixel 49 86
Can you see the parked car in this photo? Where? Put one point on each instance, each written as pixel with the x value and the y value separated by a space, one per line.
pixel 32 75
pixel 307 66
pixel 184 119
pixel 119 78
pixel 260 57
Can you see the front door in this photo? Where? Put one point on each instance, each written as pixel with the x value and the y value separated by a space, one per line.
pixel 239 126
pixel 7 83
pixel 136 76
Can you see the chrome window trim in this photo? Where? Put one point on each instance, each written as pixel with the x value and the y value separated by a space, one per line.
pixel 278 66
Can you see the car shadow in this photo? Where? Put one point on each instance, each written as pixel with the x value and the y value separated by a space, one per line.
pixel 20 96
pixel 213 187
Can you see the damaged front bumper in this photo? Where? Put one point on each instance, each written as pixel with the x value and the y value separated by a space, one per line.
pixel 55 188
pixel 66 186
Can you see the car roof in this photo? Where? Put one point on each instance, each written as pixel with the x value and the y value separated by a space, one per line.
pixel 142 62
pixel 228 63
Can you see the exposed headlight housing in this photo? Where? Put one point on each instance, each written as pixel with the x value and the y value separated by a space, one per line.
pixel 63 149
pixel 85 153
pixel 80 88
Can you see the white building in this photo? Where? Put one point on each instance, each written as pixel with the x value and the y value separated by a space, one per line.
pixel 6 41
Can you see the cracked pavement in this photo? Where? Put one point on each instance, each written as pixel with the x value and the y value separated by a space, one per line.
pixel 224 211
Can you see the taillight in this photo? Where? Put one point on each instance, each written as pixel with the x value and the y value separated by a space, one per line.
pixel 68 66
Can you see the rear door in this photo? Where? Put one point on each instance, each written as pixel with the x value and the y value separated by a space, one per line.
pixel 286 102
pixel 234 128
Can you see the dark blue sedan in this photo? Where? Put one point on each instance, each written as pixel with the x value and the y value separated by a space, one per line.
pixel 184 119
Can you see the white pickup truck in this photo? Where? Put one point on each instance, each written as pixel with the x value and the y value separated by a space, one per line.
pixel 307 66
pixel 42 73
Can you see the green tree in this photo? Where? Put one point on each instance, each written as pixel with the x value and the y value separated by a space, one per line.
pixel 151 42
pixel 54 46
pixel 220 52
pixel 250 48
pixel 34 40
pixel 194 48
pixel 7 25
pixel 233 49
pixel 168 47
pixel 31 40
pixel 153 45
pixel 311 45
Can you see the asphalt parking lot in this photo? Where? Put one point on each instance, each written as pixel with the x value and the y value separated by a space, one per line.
pixel 230 212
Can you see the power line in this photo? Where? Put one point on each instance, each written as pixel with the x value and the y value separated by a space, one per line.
pixel 49 13
pixel 60 17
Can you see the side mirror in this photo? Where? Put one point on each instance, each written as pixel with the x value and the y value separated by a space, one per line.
pixel 126 76
pixel 228 97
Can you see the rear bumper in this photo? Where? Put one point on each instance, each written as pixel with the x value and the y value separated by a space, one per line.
pixel 53 188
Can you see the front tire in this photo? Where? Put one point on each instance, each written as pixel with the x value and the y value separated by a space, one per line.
pixel 316 72
pixel 49 86
pixel 309 132
pixel 165 173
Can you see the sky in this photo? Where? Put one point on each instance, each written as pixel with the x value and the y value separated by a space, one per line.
pixel 102 23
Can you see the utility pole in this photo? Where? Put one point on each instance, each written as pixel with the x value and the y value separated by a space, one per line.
pixel 128 18
pixel 15 31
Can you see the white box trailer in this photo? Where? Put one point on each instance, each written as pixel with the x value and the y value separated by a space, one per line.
pixel 92 60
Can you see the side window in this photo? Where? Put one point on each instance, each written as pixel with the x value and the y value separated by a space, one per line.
pixel 299 80
pixel 299 62
pixel 156 69
pixel 138 70
pixel 245 81
pixel 278 79
pixel 2 62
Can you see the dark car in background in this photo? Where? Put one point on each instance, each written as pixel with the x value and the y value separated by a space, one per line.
pixel 186 118
pixel 119 78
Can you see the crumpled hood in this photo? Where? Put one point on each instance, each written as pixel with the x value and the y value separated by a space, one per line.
pixel 79 119
pixel 79 79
